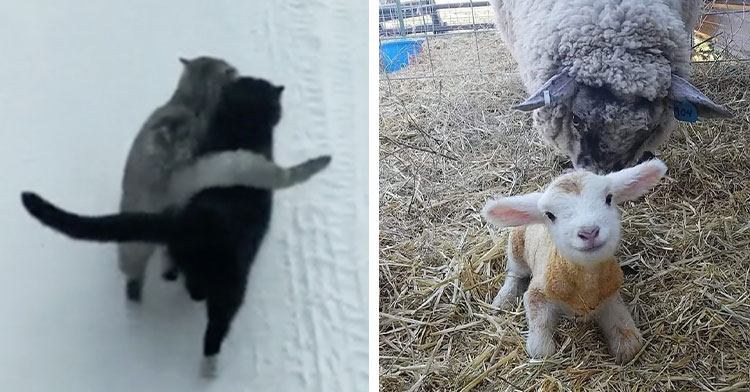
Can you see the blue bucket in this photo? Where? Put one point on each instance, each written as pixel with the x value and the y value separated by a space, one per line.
pixel 396 54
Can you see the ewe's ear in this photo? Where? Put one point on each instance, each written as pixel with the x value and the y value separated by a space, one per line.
pixel 513 211
pixel 634 182
pixel 557 89
pixel 683 91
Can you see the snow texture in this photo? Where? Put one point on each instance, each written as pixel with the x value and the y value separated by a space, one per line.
pixel 77 81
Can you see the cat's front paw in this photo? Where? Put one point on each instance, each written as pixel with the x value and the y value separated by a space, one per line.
pixel 541 344
pixel 319 163
pixel 38 207
pixel 625 344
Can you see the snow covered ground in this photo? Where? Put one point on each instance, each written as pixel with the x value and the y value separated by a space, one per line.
pixel 76 83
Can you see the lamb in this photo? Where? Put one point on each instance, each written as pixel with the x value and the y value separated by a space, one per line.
pixel 604 76
pixel 565 239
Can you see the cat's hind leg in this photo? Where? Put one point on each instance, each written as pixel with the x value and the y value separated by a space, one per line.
pixel 133 259
pixel 221 312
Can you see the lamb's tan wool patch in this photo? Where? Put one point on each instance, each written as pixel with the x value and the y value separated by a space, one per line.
pixel 536 298
pixel 517 240
pixel 581 288
pixel 571 184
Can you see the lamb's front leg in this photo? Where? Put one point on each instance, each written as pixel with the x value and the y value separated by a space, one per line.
pixel 623 337
pixel 517 275
pixel 542 315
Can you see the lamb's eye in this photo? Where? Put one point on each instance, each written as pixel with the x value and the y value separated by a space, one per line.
pixel 576 121
pixel 608 200
pixel 550 216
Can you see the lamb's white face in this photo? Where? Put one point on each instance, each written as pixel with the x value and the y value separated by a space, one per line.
pixel 581 216
pixel 579 209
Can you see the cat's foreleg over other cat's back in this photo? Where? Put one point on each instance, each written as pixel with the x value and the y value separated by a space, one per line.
pixel 240 168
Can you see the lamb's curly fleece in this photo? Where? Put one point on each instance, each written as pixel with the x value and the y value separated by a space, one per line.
pixel 630 46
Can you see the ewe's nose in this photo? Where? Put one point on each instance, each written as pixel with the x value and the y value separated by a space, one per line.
pixel 588 233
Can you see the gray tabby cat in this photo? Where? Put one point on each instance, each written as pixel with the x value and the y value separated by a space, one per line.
pixel 165 143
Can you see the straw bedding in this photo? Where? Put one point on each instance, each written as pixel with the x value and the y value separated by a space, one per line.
pixel 449 144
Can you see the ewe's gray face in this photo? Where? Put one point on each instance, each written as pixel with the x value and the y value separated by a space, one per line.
pixel 604 133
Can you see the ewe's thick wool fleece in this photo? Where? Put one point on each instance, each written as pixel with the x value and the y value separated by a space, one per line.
pixel 631 46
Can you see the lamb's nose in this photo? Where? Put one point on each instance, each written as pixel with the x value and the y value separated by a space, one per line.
pixel 588 233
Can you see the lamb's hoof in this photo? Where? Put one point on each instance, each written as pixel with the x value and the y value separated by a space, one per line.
pixel 503 303
pixel 541 345
pixel 171 274
pixel 625 345
pixel 505 300
pixel 209 367
pixel 133 289
pixel 509 294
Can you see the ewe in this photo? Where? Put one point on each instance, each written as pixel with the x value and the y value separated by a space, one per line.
pixel 565 239
pixel 603 76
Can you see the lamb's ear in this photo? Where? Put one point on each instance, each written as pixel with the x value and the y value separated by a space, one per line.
pixel 634 182
pixel 513 211
pixel 558 88
pixel 682 91
pixel 184 61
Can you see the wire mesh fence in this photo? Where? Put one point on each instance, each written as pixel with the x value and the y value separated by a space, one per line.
pixel 444 38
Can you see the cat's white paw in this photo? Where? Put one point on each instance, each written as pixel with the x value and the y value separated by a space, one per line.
pixel 210 367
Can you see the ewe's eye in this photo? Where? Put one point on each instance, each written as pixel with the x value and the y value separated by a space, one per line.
pixel 550 216
pixel 576 121
pixel 608 200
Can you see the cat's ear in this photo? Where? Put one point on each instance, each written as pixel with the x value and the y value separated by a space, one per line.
pixel 184 61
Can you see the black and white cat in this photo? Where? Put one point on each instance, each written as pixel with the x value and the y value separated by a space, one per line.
pixel 214 232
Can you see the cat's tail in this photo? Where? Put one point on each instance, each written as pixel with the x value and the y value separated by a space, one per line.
pixel 123 227
pixel 240 168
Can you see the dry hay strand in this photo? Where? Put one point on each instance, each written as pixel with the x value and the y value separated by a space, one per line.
pixel 447 145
